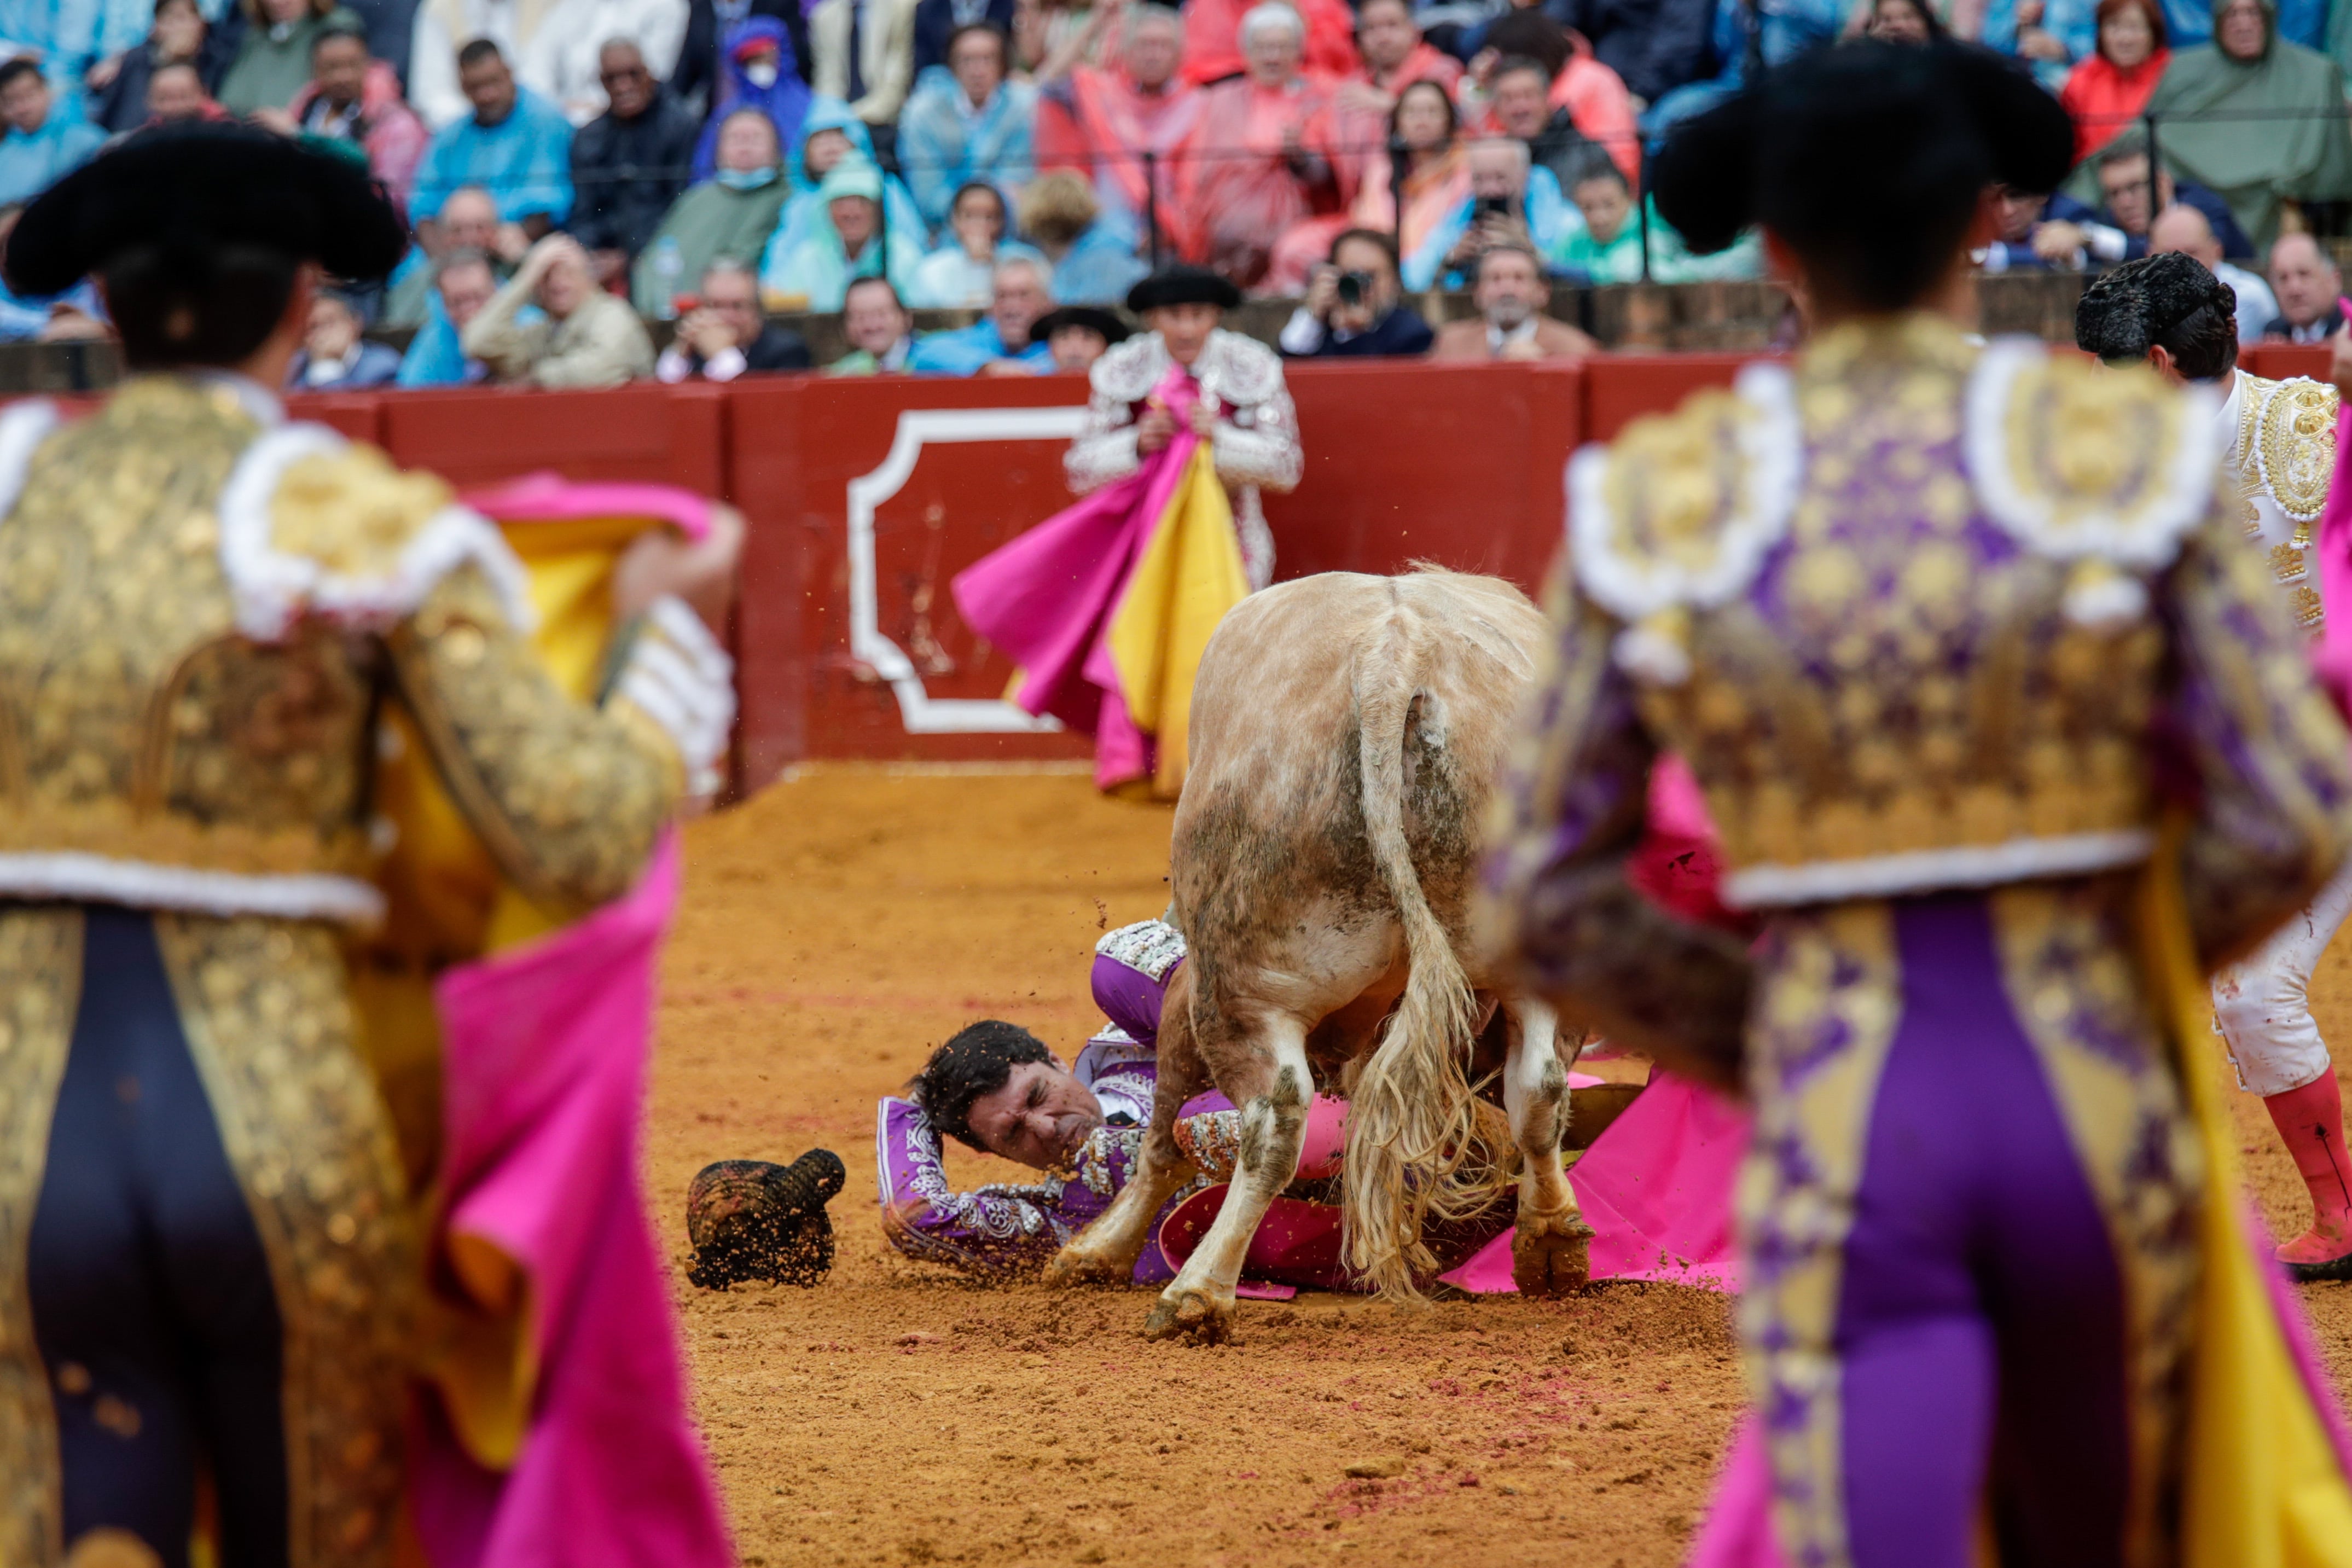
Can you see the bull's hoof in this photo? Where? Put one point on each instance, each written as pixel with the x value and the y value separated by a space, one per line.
pixel 1551 1253
pixel 1074 1265
pixel 1191 1314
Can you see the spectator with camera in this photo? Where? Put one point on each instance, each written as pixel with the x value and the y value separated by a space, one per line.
pixel 1511 202
pixel 1512 295
pixel 1354 307
pixel 723 335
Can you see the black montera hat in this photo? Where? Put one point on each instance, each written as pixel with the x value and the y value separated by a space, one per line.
pixel 1092 317
pixel 190 190
pixel 1182 285
pixel 2125 311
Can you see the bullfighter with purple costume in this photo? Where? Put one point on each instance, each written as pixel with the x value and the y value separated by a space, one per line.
pixel 1919 614
pixel 1008 1229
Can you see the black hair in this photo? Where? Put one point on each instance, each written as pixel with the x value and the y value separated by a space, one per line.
pixel 2167 300
pixel 340 26
pixel 1867 159
pixel 1529 34
pixel 871 281
pixel 478 50
pixel 975 1063
pixel 1004 54
pixel 167 314
pixel 1936 31
pixel 1004 208
pixel 1509 63
pixel 22 66
pixel 1384 243
pixel 1452 115
pixel 162 5
pixel 2130 144
pixel 1596 164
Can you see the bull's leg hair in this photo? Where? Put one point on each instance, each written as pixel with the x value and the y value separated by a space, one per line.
pixel 1198 1304
pixel 1550 1244
pixel 1105 1252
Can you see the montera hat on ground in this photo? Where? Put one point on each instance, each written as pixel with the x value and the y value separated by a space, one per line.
pixel 1093 318
pixel 2125 311
pixel 1182 285
pixel 188 191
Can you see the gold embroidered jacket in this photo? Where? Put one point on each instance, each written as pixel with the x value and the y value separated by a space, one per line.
pixel 2281 443
pixel 201 618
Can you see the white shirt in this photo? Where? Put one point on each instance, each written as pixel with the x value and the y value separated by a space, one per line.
pixel 1498 340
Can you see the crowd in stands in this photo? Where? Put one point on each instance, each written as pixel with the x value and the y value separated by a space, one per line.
pixel 578 172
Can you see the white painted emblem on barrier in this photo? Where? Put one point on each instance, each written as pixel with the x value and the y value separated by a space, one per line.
pixel 922 713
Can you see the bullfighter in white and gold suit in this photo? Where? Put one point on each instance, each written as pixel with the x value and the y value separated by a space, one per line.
pixel 2280 438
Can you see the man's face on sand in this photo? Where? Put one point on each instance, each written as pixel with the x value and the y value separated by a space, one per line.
pixel 1038 1119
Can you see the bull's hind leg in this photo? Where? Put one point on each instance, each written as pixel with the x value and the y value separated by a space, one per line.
pixel 1549 1247
pixel 1199 1302
pixel 1105 1252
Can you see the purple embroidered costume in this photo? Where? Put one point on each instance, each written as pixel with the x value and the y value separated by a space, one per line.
pixel 1012 1227
pixel 1922 618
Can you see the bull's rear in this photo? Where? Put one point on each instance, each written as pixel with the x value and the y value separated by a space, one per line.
pixel 1346 732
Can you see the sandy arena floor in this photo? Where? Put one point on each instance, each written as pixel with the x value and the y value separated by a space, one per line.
pixel 837 927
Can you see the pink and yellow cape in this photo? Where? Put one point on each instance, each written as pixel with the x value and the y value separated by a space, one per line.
pixel 551 1427
pixel 1107 606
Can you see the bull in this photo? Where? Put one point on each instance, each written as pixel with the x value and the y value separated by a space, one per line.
pixel 1347 733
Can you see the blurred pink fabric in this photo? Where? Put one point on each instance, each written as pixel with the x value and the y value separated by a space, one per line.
pixel 545 1049
pixel 547 497
pixel 1656 1190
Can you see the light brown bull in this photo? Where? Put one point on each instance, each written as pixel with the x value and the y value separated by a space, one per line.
pixel 1347 731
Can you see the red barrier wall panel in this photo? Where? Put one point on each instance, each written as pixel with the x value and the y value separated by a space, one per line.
pixel 1459 464
pixel 1619 389
pixel 647 432
pixel 2279 360
pixel 851 645
pixel 848 635
pixel 357 414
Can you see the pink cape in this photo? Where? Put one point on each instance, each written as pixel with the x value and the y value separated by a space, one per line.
pixel 2333 658
pixel 1046 598
pixel 545 1047
pixel 548 496
pixel 1656 1190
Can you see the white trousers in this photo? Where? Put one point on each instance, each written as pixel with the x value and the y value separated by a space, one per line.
pixel 2261 1003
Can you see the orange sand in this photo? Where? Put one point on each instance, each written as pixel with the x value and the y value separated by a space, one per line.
pixel 838 926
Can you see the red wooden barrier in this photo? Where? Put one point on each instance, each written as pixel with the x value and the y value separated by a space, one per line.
pixel 867 497
pixel 2279 360
pixel 1619 388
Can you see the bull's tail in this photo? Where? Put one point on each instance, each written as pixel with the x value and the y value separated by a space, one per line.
pixel 1411 1131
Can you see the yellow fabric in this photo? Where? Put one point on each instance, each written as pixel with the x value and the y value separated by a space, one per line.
pixel 2262 1487
pixel 446 903
pixel 1190 577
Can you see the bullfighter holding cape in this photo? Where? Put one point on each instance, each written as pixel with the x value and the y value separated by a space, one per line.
pixel 2010 744
pixel 1107 605
pixel 226 643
